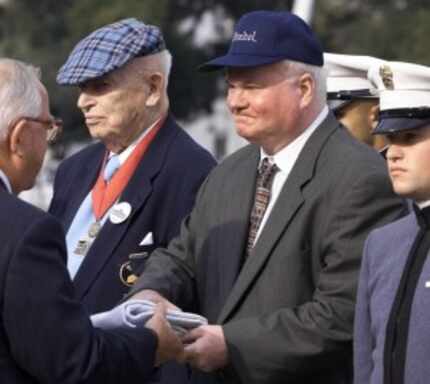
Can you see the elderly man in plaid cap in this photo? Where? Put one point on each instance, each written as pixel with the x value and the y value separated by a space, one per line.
pixel 123 196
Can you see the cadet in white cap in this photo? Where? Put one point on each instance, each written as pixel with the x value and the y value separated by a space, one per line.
pixel 352 96
pixel 392 331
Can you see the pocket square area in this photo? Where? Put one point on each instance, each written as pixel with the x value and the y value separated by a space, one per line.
pixel 148 239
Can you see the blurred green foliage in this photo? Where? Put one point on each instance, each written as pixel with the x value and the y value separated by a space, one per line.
pixel 43 32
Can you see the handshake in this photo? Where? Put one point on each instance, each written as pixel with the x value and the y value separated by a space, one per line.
pixel 169 323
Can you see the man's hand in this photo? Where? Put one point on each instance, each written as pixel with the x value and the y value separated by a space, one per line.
pixel 206 349
pixel 155 297
pixel 169 346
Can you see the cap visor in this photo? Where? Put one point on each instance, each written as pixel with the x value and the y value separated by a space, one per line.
pixel 336 105
pixel 393 125
pixel 237 60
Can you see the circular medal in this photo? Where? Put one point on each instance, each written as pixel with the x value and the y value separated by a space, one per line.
pixel 126 274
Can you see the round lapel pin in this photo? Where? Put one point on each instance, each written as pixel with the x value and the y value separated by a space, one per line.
pixel 120 212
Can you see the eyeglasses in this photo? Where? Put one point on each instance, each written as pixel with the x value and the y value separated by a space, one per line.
pixel 53 127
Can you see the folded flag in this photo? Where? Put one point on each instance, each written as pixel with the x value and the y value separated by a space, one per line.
pixel 135 313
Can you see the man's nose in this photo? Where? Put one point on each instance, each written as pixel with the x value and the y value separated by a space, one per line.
pixel 85 102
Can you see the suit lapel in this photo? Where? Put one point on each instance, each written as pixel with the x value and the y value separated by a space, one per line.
pixel 288 203
pixel 136 193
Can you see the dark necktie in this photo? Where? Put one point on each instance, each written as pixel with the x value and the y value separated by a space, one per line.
pixel 265 177
pixel 396 337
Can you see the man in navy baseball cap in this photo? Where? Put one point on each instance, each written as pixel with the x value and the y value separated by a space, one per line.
pixel 125 195
pixel 271 250
pixel 265 37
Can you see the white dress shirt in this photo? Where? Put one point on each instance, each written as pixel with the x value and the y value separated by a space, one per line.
pixel 423 204
pixel 123 156
pixel 285 160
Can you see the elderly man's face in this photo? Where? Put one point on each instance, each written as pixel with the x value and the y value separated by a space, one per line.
pixel 114 107
pixel 265 104
pixel 408 159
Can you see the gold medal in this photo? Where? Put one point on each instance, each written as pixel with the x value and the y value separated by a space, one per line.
pixel 126 274
pixel 94 229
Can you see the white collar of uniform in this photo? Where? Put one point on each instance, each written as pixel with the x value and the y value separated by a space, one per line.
pixel 287 156
pixel 6 181
pixel 123 156
pixel 423 204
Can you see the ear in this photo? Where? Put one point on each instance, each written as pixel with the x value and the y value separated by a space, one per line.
pixel 307 89
pixel 156 85
pixel 373 116
pixel 19 139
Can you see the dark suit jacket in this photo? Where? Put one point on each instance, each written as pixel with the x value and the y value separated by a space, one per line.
pixel 161 193
pixel 287 313
pixel 45 334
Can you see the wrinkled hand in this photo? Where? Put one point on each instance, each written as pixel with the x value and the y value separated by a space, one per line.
pixel 205 348
pixel 155 297
pixel 169 345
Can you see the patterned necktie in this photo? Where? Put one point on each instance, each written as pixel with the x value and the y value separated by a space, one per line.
pixel 265 177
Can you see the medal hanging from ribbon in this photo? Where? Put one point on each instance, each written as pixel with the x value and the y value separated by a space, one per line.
pixel 104 194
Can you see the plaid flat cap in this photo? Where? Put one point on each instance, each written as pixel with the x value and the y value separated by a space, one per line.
pixel 109 48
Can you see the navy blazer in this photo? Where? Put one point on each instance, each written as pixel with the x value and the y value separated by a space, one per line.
pixel 45 334
pixel 161 192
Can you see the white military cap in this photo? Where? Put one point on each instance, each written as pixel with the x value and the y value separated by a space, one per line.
pixel 404 91
pixel 347 78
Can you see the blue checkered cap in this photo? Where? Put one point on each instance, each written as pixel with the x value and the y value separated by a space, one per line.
pixel 109 48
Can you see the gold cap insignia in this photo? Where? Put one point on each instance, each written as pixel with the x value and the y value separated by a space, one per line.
pixel 387 76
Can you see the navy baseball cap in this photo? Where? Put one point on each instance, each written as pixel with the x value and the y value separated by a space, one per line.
pixel 265 37
pixel 109 48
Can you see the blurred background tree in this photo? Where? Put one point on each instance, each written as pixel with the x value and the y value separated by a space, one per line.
pixel 44 32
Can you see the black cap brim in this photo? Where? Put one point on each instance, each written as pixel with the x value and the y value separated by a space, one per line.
pixel 399 124
pixel 237 61
pixel 336 105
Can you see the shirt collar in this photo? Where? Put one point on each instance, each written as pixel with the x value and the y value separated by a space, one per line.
pixel 288 155
pixel 5 181
pixel 123 156
pixel 423 204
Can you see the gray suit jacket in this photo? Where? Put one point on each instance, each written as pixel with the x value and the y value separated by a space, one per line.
pixel 287 313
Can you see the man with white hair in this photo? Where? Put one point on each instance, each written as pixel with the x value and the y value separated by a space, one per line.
pixel 271 250
pixel 124 196
pixel 45 333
